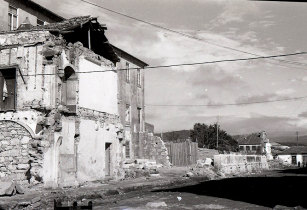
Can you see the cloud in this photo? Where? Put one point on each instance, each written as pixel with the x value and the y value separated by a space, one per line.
pixel 303 115
pixel 256 98
pixel 234 12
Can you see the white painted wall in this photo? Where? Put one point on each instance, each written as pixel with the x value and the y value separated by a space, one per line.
pixel 91 149
pixel 286 159
pixel 97 91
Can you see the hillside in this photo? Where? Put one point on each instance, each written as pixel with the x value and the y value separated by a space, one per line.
pixel 181 135
pixel 289 140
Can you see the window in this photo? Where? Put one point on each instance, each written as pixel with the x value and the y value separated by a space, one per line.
pixel 242 148
pixel 127 72
pixel 7 89
pixel 254 148
pixel 69 89
pixel 139 115
pixel 127 113
pixel 12 18
pixel 139 77
pixel 248 148
pixel 40 22
pixel 127 148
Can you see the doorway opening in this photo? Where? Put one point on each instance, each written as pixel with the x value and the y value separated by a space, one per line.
pixel 108 159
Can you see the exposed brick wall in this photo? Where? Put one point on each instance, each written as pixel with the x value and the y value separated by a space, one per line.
pixel 20 154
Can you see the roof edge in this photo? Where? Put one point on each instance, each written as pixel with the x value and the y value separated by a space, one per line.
pixel 122 53
pixel 44 8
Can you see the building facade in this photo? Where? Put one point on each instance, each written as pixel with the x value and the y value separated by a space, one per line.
pixel 256 143
pixel 59 116
pixel 296 155
pixel 15 12
pixel 131 85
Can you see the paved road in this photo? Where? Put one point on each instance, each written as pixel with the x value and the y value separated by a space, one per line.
pixel 284 188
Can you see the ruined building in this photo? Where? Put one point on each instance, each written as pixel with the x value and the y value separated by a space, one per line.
pixel 15 12
pixel 59 120
pixel 71 104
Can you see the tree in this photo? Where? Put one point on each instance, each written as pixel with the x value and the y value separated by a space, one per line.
pixel 206 137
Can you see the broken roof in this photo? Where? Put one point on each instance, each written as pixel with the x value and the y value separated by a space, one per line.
pixel 68 24
pixel 84 29
pixel 294 150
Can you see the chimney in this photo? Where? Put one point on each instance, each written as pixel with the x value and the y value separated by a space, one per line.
pixel 25 25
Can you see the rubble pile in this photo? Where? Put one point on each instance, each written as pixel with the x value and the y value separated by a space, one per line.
pixel 140 168
pixel 277 164
pixel 203 168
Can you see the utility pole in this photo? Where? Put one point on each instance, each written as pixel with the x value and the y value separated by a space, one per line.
pixel 296 138
pixel 217 132
pixel 161 135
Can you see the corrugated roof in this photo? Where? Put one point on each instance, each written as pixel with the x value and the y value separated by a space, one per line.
pixel 294 150
pixel 252 139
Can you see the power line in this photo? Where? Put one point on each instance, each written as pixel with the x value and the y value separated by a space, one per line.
pixel 190 36
pixel 227 104
pixel 178 65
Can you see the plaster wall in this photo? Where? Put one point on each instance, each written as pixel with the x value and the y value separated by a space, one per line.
pixel 287 159
pixel 231 164
pixel 35 89
pixel 22 15
pixel 132 94
pixel 91 150
pixel 4 9
pixel 24 10
pixel 97 91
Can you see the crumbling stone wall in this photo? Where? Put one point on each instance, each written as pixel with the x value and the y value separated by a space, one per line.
pixel 233 163
pixel 20 154
pixel 154 148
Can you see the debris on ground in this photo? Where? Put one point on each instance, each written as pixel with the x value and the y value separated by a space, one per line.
pixel 277 164
pixel 9 188
pixel 156 204
pixel 141 168
pixel 204 168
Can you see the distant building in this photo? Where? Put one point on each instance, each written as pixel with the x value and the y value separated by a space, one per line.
pixel 14 12
pixel 256 143
pixel 296 155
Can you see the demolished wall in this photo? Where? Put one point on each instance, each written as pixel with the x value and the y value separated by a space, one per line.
pixel 233 163
pixel 154 148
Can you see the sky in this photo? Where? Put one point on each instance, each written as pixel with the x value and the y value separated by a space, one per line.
pixel 262 28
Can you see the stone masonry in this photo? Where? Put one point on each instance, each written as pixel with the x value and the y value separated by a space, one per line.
pixel 154 149
pixel 20 154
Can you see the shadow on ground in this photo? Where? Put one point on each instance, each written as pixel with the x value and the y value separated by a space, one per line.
pixel 294 171
pixel 264 191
